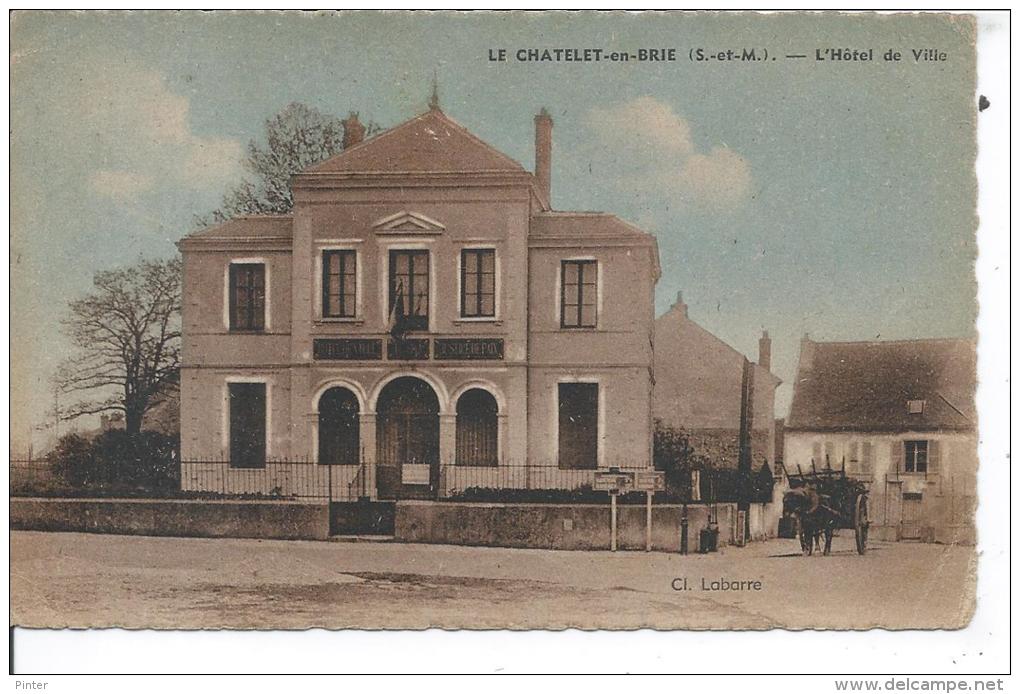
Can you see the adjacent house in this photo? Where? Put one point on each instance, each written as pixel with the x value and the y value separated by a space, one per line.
pixel 900 416
pixel 423 321
pixel 713 393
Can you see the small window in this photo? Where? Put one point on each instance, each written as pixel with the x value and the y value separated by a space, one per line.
pixel 247 404
pixel 578 294
pixel 915 406
pixel 339 284
pixel 478 283
pixel 409 290
pixel 247 296
pixel 915 456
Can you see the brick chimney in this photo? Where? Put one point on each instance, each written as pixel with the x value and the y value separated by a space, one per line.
pixel 543 154
pixel 765 350
pixel 679 304
pixel 354 131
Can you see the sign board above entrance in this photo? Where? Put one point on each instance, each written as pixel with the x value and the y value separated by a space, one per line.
pixel 347 349
pixel 470 348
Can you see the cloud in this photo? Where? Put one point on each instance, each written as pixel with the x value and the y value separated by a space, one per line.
pixel 120 184
pixel 649 150
pixel 134 133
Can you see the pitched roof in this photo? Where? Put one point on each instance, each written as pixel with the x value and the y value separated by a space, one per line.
pixel 247 227
pixel 585 225
pixel 865 386
pixel 432 142
pixel 592 226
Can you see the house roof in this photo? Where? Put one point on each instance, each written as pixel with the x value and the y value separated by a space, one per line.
pixel 866 386
pixel 591 226
pixel 255 227
pixel 433 142
pixel 675 319
pixel 585 225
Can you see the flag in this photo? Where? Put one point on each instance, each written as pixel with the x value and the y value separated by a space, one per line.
pixel 396 325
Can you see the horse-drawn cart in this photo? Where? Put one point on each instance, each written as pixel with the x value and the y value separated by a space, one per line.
pixel 822 501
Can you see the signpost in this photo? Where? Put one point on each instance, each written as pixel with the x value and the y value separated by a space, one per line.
pixel 649 481
pixel 616 481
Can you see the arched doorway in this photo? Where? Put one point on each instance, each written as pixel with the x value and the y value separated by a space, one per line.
pixel 339 439
pixel 477 428
pixel 407 448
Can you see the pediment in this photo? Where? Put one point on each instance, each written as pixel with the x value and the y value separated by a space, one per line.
pixel 408 223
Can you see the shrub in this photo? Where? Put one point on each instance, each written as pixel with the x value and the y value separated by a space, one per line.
pixel 117 460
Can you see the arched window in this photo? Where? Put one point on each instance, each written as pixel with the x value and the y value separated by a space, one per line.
pixel 477 428
pixel 338 428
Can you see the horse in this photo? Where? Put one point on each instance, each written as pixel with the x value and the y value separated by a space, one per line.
pixel 814 517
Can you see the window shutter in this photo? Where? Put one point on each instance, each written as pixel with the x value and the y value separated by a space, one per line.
pixel 934 457
pixel 867 458
pixel 897 455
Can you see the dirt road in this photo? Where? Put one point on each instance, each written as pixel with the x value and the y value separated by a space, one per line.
pixel 77 580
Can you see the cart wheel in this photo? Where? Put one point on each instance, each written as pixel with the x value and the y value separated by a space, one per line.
pixel 861 523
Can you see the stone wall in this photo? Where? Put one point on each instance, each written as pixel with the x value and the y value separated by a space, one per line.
pixel 270 520
pixel 555 526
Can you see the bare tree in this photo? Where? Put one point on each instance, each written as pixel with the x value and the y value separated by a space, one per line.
pixel 127 333
pixel 296 138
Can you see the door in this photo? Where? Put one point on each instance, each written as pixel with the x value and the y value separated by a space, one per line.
pixel 912 517
pixel 407 451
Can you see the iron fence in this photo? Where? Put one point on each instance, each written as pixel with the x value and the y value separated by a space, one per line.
pixel 277 479
pixel 306 479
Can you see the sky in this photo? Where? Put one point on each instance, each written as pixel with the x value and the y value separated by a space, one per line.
pixel 793 195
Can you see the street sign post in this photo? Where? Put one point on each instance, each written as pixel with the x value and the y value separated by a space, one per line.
pixel 616 481
pixel 613 481
pixel 649 481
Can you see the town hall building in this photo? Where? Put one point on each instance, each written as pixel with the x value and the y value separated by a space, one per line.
pixel 422 322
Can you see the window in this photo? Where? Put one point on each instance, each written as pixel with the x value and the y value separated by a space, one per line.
pixel 578 293
pixel 247 296
pixel 477 428
pixel 816 453
pixel 478 283
pixel 409 290
pixel 915 456
pixel 915 406
pixel 339 284
pixel 247 402
pixel 830 453
pixel 578 426
pixel 853 461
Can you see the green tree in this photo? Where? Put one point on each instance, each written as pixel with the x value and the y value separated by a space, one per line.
pixel 295 138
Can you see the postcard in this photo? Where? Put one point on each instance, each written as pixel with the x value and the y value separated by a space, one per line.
pixel 524 320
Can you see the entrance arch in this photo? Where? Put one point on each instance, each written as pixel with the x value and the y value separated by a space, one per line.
pixel 407 440
pixel 339 430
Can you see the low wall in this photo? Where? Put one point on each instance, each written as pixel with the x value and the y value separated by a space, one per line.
pixel 555 526
pixel 270 520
